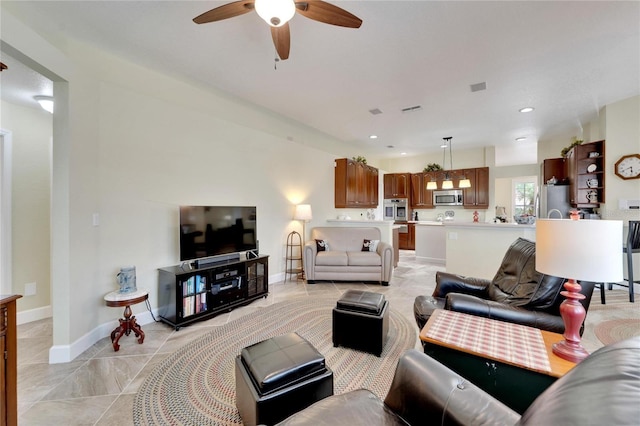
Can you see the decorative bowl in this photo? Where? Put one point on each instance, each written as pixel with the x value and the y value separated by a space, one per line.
pixel 525 220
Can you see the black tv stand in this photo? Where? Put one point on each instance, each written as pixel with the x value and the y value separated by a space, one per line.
pixel 189 295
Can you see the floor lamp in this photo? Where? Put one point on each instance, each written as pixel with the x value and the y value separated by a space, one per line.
pixel 303 214
pixel 586 250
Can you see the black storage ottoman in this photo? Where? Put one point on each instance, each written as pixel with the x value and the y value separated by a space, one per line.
pixel 361 321
pixel 278 377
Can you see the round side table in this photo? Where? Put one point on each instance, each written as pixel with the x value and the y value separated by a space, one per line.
pixel 128 323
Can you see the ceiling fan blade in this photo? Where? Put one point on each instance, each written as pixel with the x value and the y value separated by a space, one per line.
pixel 282 40
pixel 327 13
pixel 226 11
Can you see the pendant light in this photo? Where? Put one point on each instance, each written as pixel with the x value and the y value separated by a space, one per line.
pixel 447 183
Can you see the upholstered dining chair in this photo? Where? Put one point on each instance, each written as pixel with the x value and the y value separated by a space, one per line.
pixel 632 246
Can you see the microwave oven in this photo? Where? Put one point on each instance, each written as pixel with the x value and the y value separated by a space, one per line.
pixel 448 198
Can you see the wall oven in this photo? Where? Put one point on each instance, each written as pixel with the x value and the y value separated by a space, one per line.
pixel 395 209
pixel 452 197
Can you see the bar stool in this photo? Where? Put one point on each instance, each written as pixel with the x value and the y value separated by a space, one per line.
pixel 632 247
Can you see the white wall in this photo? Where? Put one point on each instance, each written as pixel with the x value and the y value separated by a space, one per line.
pixel 31 170
pixel 131 145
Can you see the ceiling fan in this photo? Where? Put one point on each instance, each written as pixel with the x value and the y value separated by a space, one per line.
pixel 277 14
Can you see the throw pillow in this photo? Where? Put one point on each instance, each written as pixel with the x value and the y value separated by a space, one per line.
pixel 322 245
pixel 370 245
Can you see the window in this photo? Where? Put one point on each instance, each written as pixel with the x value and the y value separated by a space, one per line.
pixel 524 197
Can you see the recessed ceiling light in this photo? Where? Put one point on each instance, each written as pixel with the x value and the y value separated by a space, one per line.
pixel 526 109
pixel 520 139
pixel 373 137
pixel 403 153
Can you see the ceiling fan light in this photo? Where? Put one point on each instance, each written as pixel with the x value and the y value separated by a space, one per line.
pixel 275 12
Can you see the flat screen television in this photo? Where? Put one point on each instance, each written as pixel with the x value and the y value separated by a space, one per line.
pixel 207 231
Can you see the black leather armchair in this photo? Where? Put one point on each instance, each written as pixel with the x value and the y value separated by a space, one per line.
pixel 603 389
pixel 517 294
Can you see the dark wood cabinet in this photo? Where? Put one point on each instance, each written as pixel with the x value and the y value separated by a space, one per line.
pixel 192 294
pixel 355 184
pixel 554 168
pixel 407 240
pixel 586 172
pixel 397 185
pixel 8 361
pixel 476 197
pixel 421 197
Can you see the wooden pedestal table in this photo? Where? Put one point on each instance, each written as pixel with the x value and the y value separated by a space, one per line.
pixel 128 323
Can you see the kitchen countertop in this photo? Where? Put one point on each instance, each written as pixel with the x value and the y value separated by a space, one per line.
pixel 370 221
pixel 500 225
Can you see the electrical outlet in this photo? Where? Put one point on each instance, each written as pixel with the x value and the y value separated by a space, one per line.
pixel 30 289
pixel 453 235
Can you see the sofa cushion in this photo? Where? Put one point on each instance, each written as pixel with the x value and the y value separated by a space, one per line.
pixel 332 258
pixel 345 238
pixel 370 245
pixel 322 245
pixel 364 258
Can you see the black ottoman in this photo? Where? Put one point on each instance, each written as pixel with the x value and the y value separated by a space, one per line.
pixel 278 377
pixel 361 321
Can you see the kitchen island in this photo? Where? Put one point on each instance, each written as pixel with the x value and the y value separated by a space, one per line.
pixel 477 249
pixel 431 241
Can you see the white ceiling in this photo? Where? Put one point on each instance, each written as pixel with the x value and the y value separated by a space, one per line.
pixel 566 59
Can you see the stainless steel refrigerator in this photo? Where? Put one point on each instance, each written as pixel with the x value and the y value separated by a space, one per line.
pixel 553 197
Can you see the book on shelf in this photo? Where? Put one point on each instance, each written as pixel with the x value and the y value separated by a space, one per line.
pixel 201 283
pixel 188 306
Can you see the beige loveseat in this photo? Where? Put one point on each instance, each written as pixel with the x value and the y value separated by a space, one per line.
pixel 345 260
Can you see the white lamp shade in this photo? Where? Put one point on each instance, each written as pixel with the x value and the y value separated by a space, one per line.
pixel 588 250
pixel 447 184
pixel 303 212
pixel 464 183
pixel 275 12
pixel 432 185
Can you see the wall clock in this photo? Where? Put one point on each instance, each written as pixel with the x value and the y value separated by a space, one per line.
pixel 628 167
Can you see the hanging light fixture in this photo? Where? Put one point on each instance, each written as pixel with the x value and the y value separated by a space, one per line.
pixel 275 12
pixel 447 183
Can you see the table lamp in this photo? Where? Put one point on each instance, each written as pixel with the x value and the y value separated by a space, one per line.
pixel 587 250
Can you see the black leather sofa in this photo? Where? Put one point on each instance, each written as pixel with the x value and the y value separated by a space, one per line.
pixel 604 389
pixel 517 293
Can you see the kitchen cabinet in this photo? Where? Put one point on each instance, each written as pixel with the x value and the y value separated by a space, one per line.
pixel 421 197
pixel 407 239
pixel 476 197
pixel 397 185
pixel 355 184
pixel 586 172
pixel 553 167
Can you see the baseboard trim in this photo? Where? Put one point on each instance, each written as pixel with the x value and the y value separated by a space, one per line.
pixel 59 354
pixel 31 315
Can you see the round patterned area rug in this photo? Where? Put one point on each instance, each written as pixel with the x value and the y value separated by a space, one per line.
pixel 616 330
pixel 196 384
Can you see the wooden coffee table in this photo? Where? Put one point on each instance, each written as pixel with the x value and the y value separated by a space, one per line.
pixel 512 362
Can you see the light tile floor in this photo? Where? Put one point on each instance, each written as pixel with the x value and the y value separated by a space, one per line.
pixel 99 386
